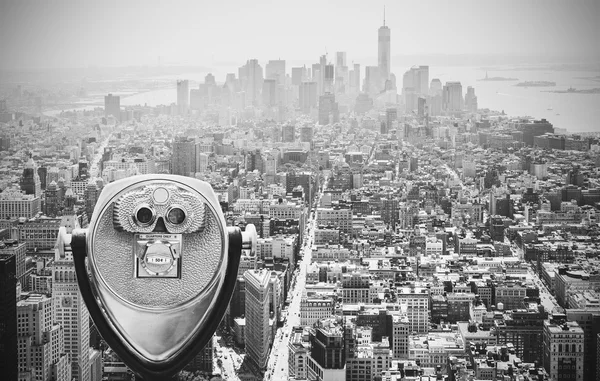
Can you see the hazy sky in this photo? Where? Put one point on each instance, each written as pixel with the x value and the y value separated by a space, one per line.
pixel 79 33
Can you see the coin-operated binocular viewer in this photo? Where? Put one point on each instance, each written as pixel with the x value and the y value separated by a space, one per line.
pixel 157 267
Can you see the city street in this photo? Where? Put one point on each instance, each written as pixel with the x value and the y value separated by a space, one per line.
pixel 546 298
pixel 277 368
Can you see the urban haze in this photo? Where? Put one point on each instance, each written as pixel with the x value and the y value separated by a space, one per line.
pixel 410 189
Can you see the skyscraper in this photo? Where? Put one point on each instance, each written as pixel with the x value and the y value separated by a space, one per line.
pixel 51 203
pixel 328 107
pixel 91 197
pixel 341 73
pixel 41 341
pixel 383 51
pixel 416 79
pixel 183 96
pixel 321 74
pixel 19 250
pixel 435 88
pixel 308 96
pixel 471 100
pixel 452 98
pixel 354 78
pixel 70 310
pixel 183 161
pixel 275 69
pixel 391 114
pixel 257 334
pixel 563 350
pixel 269 93
pixel 30 179
pixel 298 75
pixel 8 317
pixel 112 106
pixel 328 79
pixel 327 355
pixel 251 78
pixel 373 81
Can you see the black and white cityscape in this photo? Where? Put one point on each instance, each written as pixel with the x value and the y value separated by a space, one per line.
pixel 423 181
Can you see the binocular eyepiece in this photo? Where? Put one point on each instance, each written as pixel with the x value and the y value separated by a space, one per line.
pixel 161 268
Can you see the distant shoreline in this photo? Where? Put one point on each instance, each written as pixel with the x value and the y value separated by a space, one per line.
pixel 536 84
pixel 575 91
pixel 497 79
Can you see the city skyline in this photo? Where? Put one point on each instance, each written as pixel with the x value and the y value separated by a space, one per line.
pixel 84 34
pixel 314 191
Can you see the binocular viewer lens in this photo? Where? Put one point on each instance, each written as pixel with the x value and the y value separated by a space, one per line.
pixel 161 267
pixel 176 216
pixel 145 215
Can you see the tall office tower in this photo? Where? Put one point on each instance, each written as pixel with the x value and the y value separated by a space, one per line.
pixel 423 80
pixel 183 160
pixel 383 51
pixel 275 69
pixel 563 349
pixel 471 100
pixel 183 96
pixel 400 333
pixel 315 70
pixel 415 302
pixel 308 96
pixel 43 171
pixel 422 108
pixel 372 83
pixel 391 114
pixel 112 106
pixel 254 161
pixel 452 98
pixel 341 73
pixel 251 78
pixel 435 88
pixel 201 162
pixel 417 79
pixel 51 203
pixel 91 197
pixel 299 75
pixel 340 61
pixel 327 360
pixel 269 93
pixel 588 318
pixel 209 79
pixel 19 250
pixel 9 360
pixel 435 105
pixel 328 109
pixel 41 342
pixel 71 312
pixel 270 164
pixel 30 179
pixel 354 79
pixel 328 79
pixel 257 334
pixel 288 133
pixel 321 74
pixel 524 330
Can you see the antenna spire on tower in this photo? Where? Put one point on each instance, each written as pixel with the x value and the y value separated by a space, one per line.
pixel 384 15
